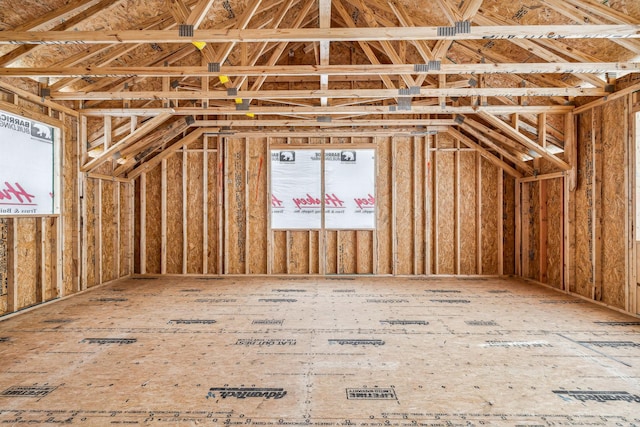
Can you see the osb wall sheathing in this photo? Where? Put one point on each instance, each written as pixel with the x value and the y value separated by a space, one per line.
pixel 195 212
pixel 108 226
pixel 467 166
pixel 153 215
pixel 26 264
pixel 533 251
pixel 425 186
pixel 174 214
pixel 583 208
pixel 614 199
pixel 235 213
pixel 444 230
pixel 384 192
pixel 257 197
pixel 554 235
pixel 602 153
pixel 490 220
pixel 509 224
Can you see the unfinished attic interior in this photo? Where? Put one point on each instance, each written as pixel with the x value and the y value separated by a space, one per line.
pixel 320 212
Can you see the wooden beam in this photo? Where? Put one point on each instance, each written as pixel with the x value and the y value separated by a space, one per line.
pixel 333 93
pixel 62 14
pixel 484 153
pixel 324 13
pixel 541 48
pixel 149 126
pixel 21 51
pixel 500 150
pixel 405 19
pixel 370 18
pixel 371 56
pixel 588 15
pixel 39 101
pixel 450 12
pixel 280 48
pixel 199 12
pixel 343 71
pixel 420 109
pixel 513 133
pixel 187 140
pixel 484 32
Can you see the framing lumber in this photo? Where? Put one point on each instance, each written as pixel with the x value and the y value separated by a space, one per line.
pixel 484 153
pixel 333 93
pixel 540 48
pixel 187 140
pixel 199 12
pixel 371 56
pixel 12 265
pixel 500 150
pixel 21 51
pixel 515 134
pixel 579 16
pixel 143 130
pixel 343 71
pixel 484 32
pixel 348 110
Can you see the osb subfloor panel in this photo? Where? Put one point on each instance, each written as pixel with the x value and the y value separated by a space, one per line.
pixel 320 352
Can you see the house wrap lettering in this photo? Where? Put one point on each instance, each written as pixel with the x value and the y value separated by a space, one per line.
pixel 333 201
pixel 366 202
pixel 11 193
pixel 309 201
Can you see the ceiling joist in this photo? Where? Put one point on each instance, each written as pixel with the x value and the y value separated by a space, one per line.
pixel 489 32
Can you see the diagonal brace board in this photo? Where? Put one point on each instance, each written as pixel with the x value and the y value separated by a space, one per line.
pixel 187 140
pixel 484 153
pixel 132 137
pixel 530 144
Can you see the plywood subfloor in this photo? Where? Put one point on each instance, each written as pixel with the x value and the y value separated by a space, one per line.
pixel 320 352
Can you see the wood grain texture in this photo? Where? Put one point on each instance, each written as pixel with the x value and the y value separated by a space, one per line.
pixel 384 193
pixel 91 229
pixel 404 209
pixel 153 215
pixel 583 199
pixel 613 204
pixel 468 223
pixel 445 230
pixel 555 232
pixel 27 269
pixel 489 218
pixel 109 232
pixel 509 225
pixel 258 208
pixel 195 213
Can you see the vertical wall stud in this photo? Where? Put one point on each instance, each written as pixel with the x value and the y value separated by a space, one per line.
pixel 500 222
pixel 205 204
pixel 163 218
pixel 143 223
pixel 12 265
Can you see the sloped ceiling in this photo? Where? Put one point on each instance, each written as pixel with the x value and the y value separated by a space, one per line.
pixel 498 75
